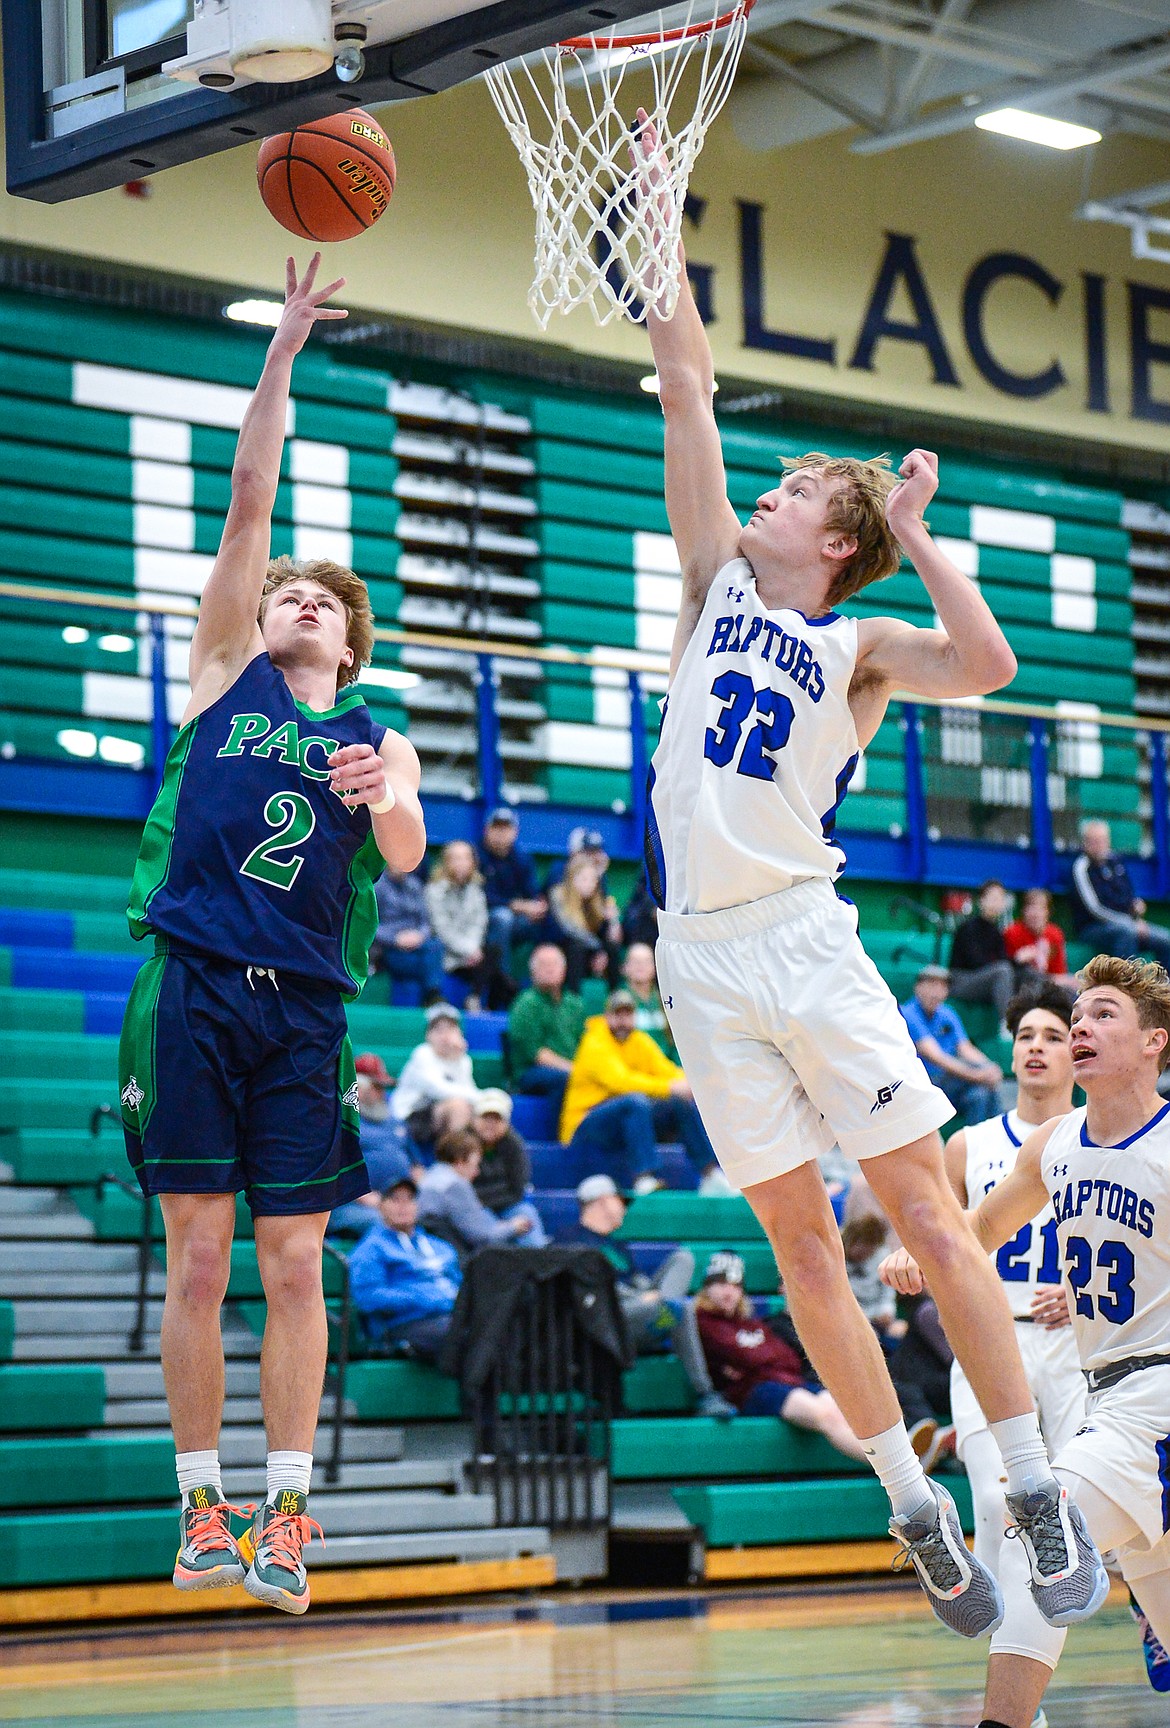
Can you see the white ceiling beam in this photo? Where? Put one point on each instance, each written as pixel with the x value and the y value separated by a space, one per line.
pixel 906 101
pixel 944 44
pixel 1099 75
pixel 767 60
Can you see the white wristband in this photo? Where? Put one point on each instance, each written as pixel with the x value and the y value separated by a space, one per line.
pixel 387 803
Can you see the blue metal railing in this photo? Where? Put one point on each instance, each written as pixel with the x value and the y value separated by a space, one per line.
pixel 977 781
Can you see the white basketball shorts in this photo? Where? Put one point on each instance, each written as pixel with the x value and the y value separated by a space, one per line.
pixel 1058 1389
pixel 1123 1448
pixel 789 1036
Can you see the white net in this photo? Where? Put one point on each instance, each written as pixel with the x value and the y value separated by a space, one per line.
pixel 606 237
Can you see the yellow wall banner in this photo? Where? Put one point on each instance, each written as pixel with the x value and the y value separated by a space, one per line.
pixel 949 277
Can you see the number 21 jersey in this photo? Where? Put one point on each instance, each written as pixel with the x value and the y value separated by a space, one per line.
pixel 757 750
pixel 248 854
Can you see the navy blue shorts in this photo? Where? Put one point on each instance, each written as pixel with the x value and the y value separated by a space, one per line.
pixel 233 1079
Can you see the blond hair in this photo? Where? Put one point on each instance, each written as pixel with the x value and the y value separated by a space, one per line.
pixel 440 873
pixel 581 911
pixel 344 586
pixel 1145 983
pixel 745 1309
pixel 856 508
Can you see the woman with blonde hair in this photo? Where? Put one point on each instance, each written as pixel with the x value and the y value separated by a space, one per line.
pixel 586 922
pixel 458 912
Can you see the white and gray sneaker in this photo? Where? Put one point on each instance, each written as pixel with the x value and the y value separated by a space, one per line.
pixel 962 1592
pixel 1068 1580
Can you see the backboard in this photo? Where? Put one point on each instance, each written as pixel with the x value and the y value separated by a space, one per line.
pixel 88 105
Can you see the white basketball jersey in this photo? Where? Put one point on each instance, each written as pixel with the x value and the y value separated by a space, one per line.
pixel 1112 1206
pixel 757 750
pixel 1032 1257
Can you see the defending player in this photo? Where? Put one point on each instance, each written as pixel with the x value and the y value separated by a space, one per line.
pixel 281 799
pixel 1106 1172
pixel 788 1034
pixel 1025 1649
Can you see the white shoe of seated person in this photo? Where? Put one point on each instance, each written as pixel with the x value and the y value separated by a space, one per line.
pixel 715 1183
pixel 646 1185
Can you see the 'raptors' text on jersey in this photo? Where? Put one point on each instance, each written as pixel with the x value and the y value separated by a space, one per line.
pixel 1112 1210
pixel 757 750
pixel 1032 1257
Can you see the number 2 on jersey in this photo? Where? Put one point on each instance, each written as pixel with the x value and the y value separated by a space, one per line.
pixel 262 864
pixel 767 737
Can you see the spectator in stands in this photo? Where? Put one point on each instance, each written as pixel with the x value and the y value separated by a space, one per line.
pixel 1107 913
pixel 970 1080
pixel 405 946
pixel 404 1282
pixel 545 1025
pixel 624 1096
pixel 641 980
pixel 504 1183
pixel 584 921
pixel 980 968
pixel 866 1241
pixel 920 1369
pixel 1034 943
pixel 459 913
pixel 516 907
pixel 587 841
pixel 384 1144
pixel 657 1310
pixel 448 1205
pixel 436 1091
pixel 761 1373
pixel 640 918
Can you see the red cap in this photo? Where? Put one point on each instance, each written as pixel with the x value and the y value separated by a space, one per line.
pixel 374 1069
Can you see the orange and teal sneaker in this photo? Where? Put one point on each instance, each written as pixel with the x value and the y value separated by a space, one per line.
pixel 273 1544
pixel 209 1557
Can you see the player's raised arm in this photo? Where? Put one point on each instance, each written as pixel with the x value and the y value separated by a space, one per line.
pixel 970 655
pixel 1018 1199
pixel 705 527
pixel 227 634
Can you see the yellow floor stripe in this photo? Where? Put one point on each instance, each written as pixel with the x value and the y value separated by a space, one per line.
pixel 159 1600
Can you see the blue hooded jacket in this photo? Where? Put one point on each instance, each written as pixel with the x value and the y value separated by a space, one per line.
pixel 396 1278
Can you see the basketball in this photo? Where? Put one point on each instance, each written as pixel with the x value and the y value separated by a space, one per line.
pixel 328 180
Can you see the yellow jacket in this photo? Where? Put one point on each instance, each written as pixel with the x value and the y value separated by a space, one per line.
pixel 604 1068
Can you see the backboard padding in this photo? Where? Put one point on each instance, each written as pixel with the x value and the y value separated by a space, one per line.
pixel 198 122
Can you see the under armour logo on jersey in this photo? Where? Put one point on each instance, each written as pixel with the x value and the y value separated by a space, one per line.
pixel 885 1095
pixel 1060 1169
pixel 350 1097
pixel 132 1093
pixel 668 1001
pixel 734 593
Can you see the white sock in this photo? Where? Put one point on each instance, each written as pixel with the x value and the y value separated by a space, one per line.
pixel 898 1470
pixel 289 1470
pixel 1025 1458
pixel 198 1470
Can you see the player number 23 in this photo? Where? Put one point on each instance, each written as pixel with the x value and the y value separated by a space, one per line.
pixel 767 737
pixel 1115 1259
pixel 292 816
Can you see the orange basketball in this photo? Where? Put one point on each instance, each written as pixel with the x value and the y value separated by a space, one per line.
pixel 329 179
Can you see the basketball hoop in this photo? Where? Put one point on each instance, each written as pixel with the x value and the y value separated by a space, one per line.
pixel 607 235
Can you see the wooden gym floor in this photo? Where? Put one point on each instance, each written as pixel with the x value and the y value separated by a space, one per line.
pixel 838 1658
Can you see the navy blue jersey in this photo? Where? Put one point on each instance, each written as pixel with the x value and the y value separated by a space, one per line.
pixel 248 854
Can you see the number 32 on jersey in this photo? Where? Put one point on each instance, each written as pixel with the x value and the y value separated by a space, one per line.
pixel 771 715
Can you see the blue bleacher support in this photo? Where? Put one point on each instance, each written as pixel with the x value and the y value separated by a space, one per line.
pixel 68 969
pixel 24 927
pixel 103 1011
pixel 534 1118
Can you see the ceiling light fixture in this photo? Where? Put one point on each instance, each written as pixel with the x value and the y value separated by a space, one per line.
pixel 1037 129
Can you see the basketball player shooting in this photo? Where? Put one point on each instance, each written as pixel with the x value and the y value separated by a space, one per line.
pixel 1105 1171
pixel 280 801
pixel 789 1036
